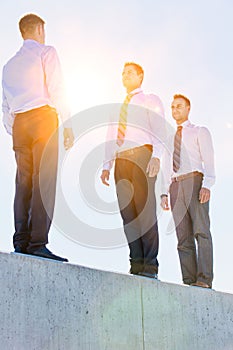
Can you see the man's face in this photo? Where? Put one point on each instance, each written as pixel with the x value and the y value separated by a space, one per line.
pixel 180 110
pixel 130 78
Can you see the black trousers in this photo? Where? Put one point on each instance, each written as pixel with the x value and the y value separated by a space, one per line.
pixel 35 142
pixel 193 231
pixel 136 198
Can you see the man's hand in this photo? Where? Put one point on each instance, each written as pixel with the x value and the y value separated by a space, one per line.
pixel 164 203
pixel 204 195
pixel 68 138
pixel 153 167
pixel 105 177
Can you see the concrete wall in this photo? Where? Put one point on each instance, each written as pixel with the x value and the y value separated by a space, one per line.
pixel 48 305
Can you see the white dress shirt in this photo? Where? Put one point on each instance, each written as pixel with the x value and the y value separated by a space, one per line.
pixel 31 79
pixel 145 125
pixel 197 154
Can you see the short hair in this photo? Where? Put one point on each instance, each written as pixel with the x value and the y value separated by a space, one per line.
pixel 28 23
pixel 187 101
pixel 137 66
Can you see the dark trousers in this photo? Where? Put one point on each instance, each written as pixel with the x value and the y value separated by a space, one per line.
pixel 136 197
pixel 193 231
pixel 36 160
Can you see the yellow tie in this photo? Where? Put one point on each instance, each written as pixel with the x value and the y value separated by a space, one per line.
pixel 123 120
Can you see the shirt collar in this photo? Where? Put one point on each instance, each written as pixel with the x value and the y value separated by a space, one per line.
pixel 31 42
pixel 186 123
pixel 135 91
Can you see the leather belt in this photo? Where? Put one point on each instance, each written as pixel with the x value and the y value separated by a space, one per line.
pixel 186 176
pixel 33 110
pixel 132 151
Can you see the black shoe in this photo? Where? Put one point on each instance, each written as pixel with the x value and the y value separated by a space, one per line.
pixel 148 274
pixel 45 253
pixel 20 250
pixel 133 273
pixel 136 266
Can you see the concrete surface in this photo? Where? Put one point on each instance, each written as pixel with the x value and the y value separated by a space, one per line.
pixel 48 305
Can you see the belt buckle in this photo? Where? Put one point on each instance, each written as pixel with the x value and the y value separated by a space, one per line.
pixel 126 153
pixel 130 151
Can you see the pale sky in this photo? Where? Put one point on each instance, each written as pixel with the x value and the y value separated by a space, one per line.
pixel 183 47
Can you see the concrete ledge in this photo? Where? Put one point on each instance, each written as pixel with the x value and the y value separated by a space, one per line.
pixel 48 305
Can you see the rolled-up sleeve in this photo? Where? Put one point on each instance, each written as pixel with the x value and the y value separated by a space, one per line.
pixel 55 83
pixel 8 117
pixel 207 157
pixel 157 124
pixel 110 145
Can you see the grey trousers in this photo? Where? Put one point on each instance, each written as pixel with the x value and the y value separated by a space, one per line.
pixel 137 202
pixel 193 231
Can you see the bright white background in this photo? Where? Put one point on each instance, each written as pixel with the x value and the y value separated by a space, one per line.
pixel 184 47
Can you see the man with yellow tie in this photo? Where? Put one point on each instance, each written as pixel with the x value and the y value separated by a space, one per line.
pixel 135 141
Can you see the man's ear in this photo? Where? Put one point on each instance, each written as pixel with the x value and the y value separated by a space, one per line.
pixel 39 28
pixel 141 77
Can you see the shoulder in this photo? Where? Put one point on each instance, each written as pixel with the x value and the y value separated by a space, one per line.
pixel 198 128
pixel 154 103
pixel 11 60
pixel 50 56
pixel 49 50
pixel 152 98
pixel 49 53
pixel 202 132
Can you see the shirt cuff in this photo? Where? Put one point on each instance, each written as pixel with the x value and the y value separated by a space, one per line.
pixel 108 165
pixel 208 182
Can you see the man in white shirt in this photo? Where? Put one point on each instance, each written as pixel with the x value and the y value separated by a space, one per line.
pixel 189 174
pixel 134 141
pixel 33 96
